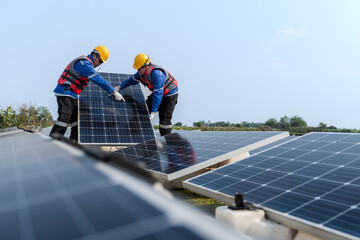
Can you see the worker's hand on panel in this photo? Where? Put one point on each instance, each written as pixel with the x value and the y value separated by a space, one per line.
pixel 117 96
pixel 152 115
pixel 117 88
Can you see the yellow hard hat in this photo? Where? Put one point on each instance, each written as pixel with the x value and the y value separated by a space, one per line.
pixel 104 52
pixel 141 60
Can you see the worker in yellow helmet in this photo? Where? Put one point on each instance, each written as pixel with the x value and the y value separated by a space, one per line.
pixel 72 81
pixel 164 89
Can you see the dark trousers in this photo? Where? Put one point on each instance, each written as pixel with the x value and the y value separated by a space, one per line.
pixel 166 110
pixel 68 114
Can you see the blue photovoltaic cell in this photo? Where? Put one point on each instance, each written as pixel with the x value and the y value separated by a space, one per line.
pixel 319 211
pixel 315 177
pixel 51 190
pixel 183 150
pixel 270 145
pixel 347 222
pixel 105 121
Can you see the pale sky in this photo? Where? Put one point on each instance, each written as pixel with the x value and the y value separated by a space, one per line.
pixel 234 60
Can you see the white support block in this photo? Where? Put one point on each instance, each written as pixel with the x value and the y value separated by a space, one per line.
pixel 254 224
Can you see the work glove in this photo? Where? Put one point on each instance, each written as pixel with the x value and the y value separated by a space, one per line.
pixel 152 115
pixel 117 96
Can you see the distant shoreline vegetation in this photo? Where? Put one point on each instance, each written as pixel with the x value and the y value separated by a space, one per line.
pixel 294 125
pixel 34 118
pixel 28 117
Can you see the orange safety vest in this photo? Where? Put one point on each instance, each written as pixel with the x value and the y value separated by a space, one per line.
pixel 146 79
pixel 78 82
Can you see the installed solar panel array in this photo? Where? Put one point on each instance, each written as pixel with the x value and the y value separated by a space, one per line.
pixel 178 154
pixel 273 144
pixel 51 190
pixel 106 122
pixel 314 179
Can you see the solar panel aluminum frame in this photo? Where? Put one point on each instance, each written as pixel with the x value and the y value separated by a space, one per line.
pixel 9 131
pixel 274 215
pixel 110 144
pixel 188 172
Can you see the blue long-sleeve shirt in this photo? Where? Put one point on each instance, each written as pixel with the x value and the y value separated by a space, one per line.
pixel 85 69
pixel 159 81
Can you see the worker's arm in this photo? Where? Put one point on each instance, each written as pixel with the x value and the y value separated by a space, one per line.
pixel 86 69
pixel 159 81
pixel 133 80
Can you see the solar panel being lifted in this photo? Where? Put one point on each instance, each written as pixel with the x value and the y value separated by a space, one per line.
pixel 179 154
pixel 313 180
pixel 104 121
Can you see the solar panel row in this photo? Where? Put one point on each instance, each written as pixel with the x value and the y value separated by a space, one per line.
pixel 314 178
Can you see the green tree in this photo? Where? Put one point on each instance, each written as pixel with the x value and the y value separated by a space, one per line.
pixel 322 126
pixel 272 122
pixel 178 124
pixel 199 124
pixel 284 122
pixel 29 117
pixel 222 124
pixel 297 121
pixel 251 124
pixel 44 116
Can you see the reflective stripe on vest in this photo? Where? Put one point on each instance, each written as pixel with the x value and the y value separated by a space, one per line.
pixel 78 82
pixel 165 126
pixel 74 124
pixel 61 124
pixel 170 81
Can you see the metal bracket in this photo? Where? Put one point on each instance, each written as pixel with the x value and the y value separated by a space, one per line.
pixel 240 204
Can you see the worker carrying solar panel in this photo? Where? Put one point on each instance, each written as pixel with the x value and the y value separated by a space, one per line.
pixel 72 81
pixel 163 86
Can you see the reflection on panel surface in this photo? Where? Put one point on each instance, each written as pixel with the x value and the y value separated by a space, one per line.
pixel 182 150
